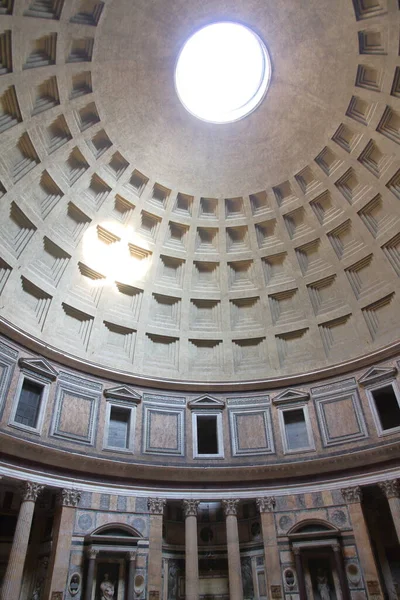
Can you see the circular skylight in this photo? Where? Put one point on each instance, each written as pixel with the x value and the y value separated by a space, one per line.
pixel 222 73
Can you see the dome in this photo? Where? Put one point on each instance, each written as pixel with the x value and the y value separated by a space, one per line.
pixel 141 239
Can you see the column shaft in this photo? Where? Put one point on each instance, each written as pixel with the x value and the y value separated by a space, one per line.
pixel 131 575
pixel 337 552
pixel 300 576
pixel 394 504
pixel 191 559
pixel 90 574
pixel 232 540
pixel 15 568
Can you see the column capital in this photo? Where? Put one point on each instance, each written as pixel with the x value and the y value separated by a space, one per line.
pixel 296 551
pixel 131 556
pixel 92 553
pixel 336 548
pixel 391 488
pixel 69 497
pixel 230 506
pixel 266 504
pixel 156 505
pixel 30 491
pixel 190 507
pixel 352 495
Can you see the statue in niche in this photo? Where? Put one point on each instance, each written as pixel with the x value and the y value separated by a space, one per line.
pixel 247 578
pixel 172 580
pixel 107 588
pixel 323 585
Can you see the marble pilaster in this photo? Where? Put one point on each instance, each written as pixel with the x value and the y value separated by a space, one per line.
pixel 266 506
pixel 156 510
pixel 353 496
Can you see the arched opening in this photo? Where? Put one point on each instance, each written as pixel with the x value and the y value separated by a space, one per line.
pixel 112 567
pixel 316 545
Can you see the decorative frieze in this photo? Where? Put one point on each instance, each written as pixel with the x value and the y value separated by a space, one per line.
pixel 266 504
pixel 69 497
pixel 230 507
pixel 156 505
pixel 190 507
pixel 30 491
pixel 352 495
pixel 391 488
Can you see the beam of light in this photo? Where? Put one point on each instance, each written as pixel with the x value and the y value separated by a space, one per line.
pixel 114 261
pixel 222 73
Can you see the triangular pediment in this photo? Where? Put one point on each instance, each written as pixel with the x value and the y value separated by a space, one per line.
pixel 40 366
pixel 206 402
pixel 291 396
pixel 123 392
pixel 375 374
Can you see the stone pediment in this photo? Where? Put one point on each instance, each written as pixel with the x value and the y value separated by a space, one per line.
pixel 40 366
pixel 375 374
pixel 206 402
pixel 291 396
pixel 123 392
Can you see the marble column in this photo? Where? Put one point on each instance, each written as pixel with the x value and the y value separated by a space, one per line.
pixel 352 496
pixel 91 562
pixel 391 489
pixel 67 501
pixel 266 506
pixel 131 558
pixel 15 568
pixel 191 550
pixel 339 564
pixel 300 574
pixel 232 538
pixel 156 510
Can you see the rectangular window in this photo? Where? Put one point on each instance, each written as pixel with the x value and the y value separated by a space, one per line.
pixel 207 434
pixel 296 429
pixel 119 427
pixel 387 407
pixel 28 408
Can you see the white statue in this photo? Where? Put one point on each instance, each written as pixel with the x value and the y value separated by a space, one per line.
pixel 106 589
pixel 323 585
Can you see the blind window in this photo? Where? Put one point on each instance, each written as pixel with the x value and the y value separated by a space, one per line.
pixel 296 429
pixel 118 428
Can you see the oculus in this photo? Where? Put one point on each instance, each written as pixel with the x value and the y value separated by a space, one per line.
pixel 223 72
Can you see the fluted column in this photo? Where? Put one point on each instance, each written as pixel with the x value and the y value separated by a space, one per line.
pixel 68 500
pixel 13 577
pixel 156 510
pixel 391 489
pixel 131 558
pixel 232 537
pixel 352 496
pixel 266 506
pixel 91 555
pixel 191 550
